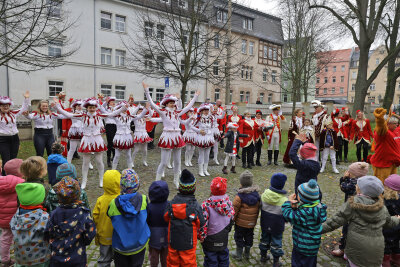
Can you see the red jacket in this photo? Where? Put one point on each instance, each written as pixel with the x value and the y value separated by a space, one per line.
pixel 346 128
pixel 221 122
pixel 387 150
pixel 258 132
pixel 8 198
pixel 183 117
pixel 249 128
pixel 230 119
pixel 150 125
pixel 358 134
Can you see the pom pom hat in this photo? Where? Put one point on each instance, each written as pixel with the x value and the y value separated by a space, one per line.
pixel 308 192
pixel 91 102
pixel 218 186
pixel 4 100
pixel 232 125
pixel 203 107
pixel 187 183
pixel 168 98
pixel 76 102
pixel 358 169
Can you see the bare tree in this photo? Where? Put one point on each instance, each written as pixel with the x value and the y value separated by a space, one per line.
pixel 28 28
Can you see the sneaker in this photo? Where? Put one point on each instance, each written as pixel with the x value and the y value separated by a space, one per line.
pixel 337 253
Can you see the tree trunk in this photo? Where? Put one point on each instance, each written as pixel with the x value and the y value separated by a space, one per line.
pixel 183 92
pixel 362 77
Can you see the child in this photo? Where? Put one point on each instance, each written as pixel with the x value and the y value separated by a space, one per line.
pixel 54 160
pixel 232 144
pixel 52 201
pixel 8 206
pixel 33 169
pixel 218 213
pixel 185 218
pixel 392 236
pixel 348 185
pixel 272 221
pixel 70 228
pixel 308 130
pixel 158 246
pixel 111 186
pixel 28 226
pixel 328 145
pixel 128 216
pixel 247 206
pixel 308 167
pixel 366 215
pixel 306 214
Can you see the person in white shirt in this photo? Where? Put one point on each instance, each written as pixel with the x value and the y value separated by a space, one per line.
pixel 275 135
pixel 75 132
pixel 111 128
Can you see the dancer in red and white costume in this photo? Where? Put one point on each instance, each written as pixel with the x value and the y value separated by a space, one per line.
pixel 75 132
pixel 140 137
pixel 219 114
pixel 189 136
pixel 235 118
pixel 111 127
pixel 275 135
pixel 92 141
pixel 205 137
pixel 171 140
pixel 346 127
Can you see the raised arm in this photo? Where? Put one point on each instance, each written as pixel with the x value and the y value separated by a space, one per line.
pixel 156 120
pixel 152 104
pixel 141 115
pixel 220 117
pixel 25 104
pixel 114 113
pixel 190 105
pixel 381 125
pixel 66 113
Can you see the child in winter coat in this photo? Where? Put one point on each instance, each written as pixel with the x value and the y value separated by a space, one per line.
pixel 392 235
pixel 307 167
pixel 272 221
pixel 247 207
pixel 232 144
pixel 8 207
pixel 218 212
pixel 308 131
pixel 158 244
pixel 66 169
pixel 328 145
pixel 54 161
pixel 70 228
pixel 33 169
pixel 306 214
pixel 185 217
pixel 28 226
pixel 366 215
pixel 128 216
pixel 104 228
pixel 348 185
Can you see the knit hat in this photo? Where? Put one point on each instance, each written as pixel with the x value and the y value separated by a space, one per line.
pixel 129 181
pixel 30 194
pixel 370 186
pixel 57 148
pixel 246 179
pixel 393 182
pixel 187 182
pixel 66 169
pixel 278 181
pixel 12 167
pixel 308 151
pixel 68 191
pixel 358 169
pixel 218 186
pixel 308 192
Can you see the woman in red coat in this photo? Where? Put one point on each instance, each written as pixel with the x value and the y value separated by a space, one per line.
pixel 362 134
pixel 247 126
pixel 346 129
pixel 294 128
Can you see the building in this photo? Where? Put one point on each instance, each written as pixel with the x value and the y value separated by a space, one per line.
pixel 333 77
pixel 257 54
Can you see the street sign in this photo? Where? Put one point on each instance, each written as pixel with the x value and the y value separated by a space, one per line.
pixel 166 82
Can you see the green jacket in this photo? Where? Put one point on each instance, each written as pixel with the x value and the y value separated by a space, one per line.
pixel 366 217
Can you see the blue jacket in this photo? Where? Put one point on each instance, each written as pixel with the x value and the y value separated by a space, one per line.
pixel 272 220
pixel 306 169
pixel 128 216
pixel 307 222
pixel 56 158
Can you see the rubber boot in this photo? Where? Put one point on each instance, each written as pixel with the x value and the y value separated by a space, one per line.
pixel 276 154
pixel 233 169
pixel 269 157
pixel 264 257
pixel 205 167
pixel 249 166
pixel 237 255
pixel 258 163
pixel 395 259
pixel 386 260
pixel 276 262
pixel 247 253
pixel 225 170
pixel 201 173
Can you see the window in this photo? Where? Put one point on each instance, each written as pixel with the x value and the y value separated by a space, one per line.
pixel 269 98
pixel 317 79
pixel 251 73
pixel 275 53
pixel 222 16
pixel 326 69
pixel 106 20
pixel 230 95
pixel 372 87
pixel 352 99
pixel 247 97
pixel 265 51
pixel 160 31
pixel 120 23
pixel 325 91
pixel 105 56
pixel 105 89
pixel 354 75
pixel 353 87
pixel 216 68
pixel 55 87
pixel 341 90
pixel 54 48
pixel 120 92
pixel 333 90
pixel 247 72
pixel 371 99
pixel 247 24
pixel 285 98
pixel 316 91
pixel 182 65
pixel 334 79
pixel 343 67
pixel 159 94
pixel 216 94
pixel 241 96
pixel 120 58
pixel 244 47
pixel 251 48
pixel 285 84
pixel 334 68
pixel 270 52
pixel 342 79
pixel 262 97
pixel 160 62
pixel 273 76
pixel 185 36
pixel 148 29
pixel 377 61
pixel 216 41
pixel 265 74
pixel 182 3
pixel 165 2
pixel 325 79
pixel 148 62
pixel 54 8
pixel 151 91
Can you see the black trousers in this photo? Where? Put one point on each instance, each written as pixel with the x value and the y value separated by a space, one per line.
pixel 258 148
pixel 362 145
pixel 339 152
pixel 9 146
pixel 111 129
pixel 248 154
pixel 243 236
pixel 135 260
pixel 345 147
pixel 343 239
pixel 43 139
pixel 151 135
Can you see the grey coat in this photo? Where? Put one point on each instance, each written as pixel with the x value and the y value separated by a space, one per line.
pixel 231 141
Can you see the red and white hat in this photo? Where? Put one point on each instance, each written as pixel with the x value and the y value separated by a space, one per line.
pixel 203 107
pixel 234 107
pixel 275 106
pixel 121 104
pixel 168 98
pixel 76 102
pixel 316 103
pixel 91 101
pixel 111 98
pixel 335 112
pixel 233 125
pixel 4 100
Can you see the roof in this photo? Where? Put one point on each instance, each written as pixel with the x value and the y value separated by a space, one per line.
pixel 336 55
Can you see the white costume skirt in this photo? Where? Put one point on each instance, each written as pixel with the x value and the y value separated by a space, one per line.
pixel 204 141
pixel 92 144
pixel 75 133
pixel 123 141
pixel 189 137
pixel 141 137
pixel 217 135
pixel 171 140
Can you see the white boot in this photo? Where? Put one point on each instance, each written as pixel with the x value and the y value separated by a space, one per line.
pixel 145 163
pixel 201 173
pixel 158 176
pixel 176 180
pixel 334 166
pixel 163 174
pixel 205 169
pixel 101 182
pixel 90 166
pixel 84 181
pixel 322 168
pixel 216 160
pixel 133 165
pixel 190 159
pixel 186 160
pixel 169 166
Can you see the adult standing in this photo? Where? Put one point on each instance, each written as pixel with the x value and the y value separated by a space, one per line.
pixel 247 126
pixel 275 135
pixel 318 121
pixel 235 118
pixel 362 134
pixel 111 129
pixel 219 114
pixel 75 132
pixel 338 128
pixel 346 130
pixel 151 129
pixel 295 126
pixel 9 140
pixel 221 122
pixel 259 136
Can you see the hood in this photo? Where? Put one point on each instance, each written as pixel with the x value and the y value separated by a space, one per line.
pixel 221 204
pixel 111 186
pixel 27 222
pixel 249 195
pixel 130 204
pixel 8 183
pixel 56 158
pixel 158 192
pixel 369 209
pixel 273 198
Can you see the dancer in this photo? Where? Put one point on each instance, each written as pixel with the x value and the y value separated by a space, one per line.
pixel 203 126
pixel 221 122
pixel 259 136
pixel 9 140
pixel 295 126
pixel 140 136
pixel 189 136
pixel 219 114
pixel 338 127
pixel 171 139
pixel 75 132
pixel 111 128
pixel 347 122
pixel 362 134
pixel 235 118
pixel 275 135
pixel 248 127
pixel 231 146
pixel 92 141
pixel 318 121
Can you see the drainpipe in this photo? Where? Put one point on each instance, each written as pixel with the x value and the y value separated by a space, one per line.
pixel 94 49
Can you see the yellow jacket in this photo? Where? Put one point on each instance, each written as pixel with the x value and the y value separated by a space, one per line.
pixel 111 186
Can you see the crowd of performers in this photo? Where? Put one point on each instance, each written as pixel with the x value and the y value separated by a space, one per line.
pixel 129 129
